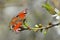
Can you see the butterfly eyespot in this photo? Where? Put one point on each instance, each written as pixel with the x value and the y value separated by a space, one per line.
pixel 18 30
pixel 11 27
pixel 17 15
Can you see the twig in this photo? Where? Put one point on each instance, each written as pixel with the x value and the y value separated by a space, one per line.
pixel 50 26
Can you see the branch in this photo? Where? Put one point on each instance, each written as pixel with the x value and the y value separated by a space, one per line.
pixel 49 26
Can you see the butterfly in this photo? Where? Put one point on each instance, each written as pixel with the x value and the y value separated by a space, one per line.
pixel 16 23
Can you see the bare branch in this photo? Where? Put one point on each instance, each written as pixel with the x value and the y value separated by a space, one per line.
pixel 49 26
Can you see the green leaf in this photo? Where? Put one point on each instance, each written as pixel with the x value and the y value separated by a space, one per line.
pixel 49 8
pixel 36 26
pixel 45 32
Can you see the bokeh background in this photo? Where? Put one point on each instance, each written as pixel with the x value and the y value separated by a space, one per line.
pixel 36 14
